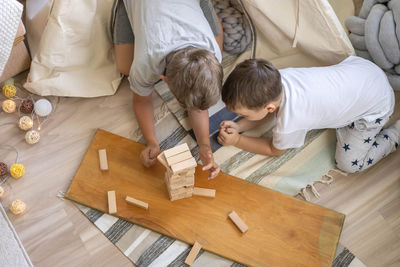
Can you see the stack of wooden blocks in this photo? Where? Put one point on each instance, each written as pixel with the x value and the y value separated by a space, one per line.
pixel 179 176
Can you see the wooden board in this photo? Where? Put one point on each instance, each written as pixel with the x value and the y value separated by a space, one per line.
pixel 283 231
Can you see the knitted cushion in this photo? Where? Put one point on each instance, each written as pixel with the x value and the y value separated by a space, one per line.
pixel 10 15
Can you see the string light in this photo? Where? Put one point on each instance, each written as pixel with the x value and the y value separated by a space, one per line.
pixel 8 106
pixel 17 207
pixel 39 111
pixel 16 169
pixel 9 90
pixel 32 137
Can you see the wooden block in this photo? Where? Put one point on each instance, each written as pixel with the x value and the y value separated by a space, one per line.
pixel 180 196
pixel 112 203
pixel 176 194
pixel 184 183
pixel 103 160
pixel 163 161
pixel 137 202
pixel 186 164
pixel 176 150
pixel 193 253
pixel 187 190
pixel 238 222
pixel 179 157
pixel 204 192
pixel 183 173
pixel 179 179
pixel 191 172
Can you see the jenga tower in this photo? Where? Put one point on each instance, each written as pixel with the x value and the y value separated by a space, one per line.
pixel 179 176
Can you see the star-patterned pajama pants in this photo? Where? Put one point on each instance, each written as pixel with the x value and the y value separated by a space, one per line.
pixel 362 144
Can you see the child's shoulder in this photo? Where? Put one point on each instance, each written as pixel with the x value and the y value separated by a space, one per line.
pixel 352 66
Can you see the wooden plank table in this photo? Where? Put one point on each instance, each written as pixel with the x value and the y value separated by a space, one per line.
pixel 283 231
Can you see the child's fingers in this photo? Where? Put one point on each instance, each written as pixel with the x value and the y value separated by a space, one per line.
pixel 214 173
pixel 207 167
pixel 230 130
pixel 152 160
pixel 223 134
pixel 153 153
pixel 219 139
pixel 146 162
pixel 146 159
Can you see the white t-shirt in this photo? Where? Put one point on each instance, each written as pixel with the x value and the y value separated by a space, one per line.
pixel 160 27
pixel 330 97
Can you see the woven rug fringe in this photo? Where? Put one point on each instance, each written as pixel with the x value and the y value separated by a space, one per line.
pixel 325 179
pixel 340 171
pixel 61 195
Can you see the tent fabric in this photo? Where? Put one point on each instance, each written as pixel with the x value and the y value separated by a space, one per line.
pixel 321 39
pixel 75 55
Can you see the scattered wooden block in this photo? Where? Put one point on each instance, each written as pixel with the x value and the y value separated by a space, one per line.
pixel 137 202
pixel 186 164
pixel 179 157
pixel 193 253
pixel 112 202
pixel 103 160
pixel 176 150
pixel 203 192
pixel 238 221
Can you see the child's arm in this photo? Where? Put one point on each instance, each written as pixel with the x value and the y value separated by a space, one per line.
pixel 220 38
pixel 245 124
pixel 262 146
pixel 200 123
pixel 143 108
pixel 213 20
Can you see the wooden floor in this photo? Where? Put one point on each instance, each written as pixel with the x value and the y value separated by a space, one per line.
pixel 55 233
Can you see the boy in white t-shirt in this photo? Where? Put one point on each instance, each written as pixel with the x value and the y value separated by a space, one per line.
pixel 353 96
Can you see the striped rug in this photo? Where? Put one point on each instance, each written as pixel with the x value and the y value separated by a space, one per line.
pixel 294 170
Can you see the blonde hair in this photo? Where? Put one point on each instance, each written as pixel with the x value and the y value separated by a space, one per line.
pixel 194 76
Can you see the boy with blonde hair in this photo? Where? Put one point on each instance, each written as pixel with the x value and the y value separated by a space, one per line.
pixel 354 97
pixel 171 40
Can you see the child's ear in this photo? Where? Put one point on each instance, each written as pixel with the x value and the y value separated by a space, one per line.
pixel 164 78
pixel 270 107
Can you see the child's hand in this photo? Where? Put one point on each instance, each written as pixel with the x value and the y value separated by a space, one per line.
pixel 207 159
pixel 228 137
pixel 149 155
pixel 228 124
